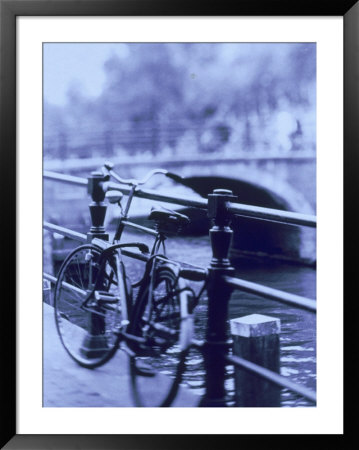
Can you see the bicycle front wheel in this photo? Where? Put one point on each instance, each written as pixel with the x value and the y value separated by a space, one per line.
pixel 163 320
pixel 88 328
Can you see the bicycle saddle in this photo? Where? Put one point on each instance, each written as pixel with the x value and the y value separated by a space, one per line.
pixel 160 214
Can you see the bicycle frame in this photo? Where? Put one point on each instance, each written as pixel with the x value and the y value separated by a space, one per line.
pixel 124 215
pixel 147 280
pixel 114 251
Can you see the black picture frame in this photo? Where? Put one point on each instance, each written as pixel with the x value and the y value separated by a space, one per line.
pixel 9 10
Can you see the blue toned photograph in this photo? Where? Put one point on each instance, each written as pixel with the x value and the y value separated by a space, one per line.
pixel 179 225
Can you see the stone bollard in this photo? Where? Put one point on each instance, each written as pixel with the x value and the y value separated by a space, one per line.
pixel 46 292
pixel 256 339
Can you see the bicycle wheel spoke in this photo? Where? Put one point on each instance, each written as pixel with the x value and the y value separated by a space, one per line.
pixel 87 328
pixel 77 269
pixel 69 276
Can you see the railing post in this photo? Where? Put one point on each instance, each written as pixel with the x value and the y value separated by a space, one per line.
pixel 219 293
pixel 95 341
pixel 97 207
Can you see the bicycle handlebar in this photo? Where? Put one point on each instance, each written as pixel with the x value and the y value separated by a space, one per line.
pixel 108 166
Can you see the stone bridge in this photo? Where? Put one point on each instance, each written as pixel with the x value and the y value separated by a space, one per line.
pixel 280 181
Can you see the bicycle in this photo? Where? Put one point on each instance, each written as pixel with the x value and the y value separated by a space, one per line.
pixel 95 306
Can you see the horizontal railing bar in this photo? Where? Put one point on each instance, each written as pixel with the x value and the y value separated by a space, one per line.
pixel 273 215
pixel 273 294
pixel 64 284
pixel 239 209
pixel 49 277
pixel 272 376
pixel 65 178
pixel 255 212
pixel 65 232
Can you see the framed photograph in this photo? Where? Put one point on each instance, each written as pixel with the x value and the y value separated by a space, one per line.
pixel 174 177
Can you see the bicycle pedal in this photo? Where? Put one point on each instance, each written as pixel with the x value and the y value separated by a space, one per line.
pixel 104 297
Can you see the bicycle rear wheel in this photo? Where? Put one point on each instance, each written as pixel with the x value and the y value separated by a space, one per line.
pixel 88 333
pixel 156 367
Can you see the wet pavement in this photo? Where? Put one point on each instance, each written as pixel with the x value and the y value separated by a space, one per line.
pixel 66 384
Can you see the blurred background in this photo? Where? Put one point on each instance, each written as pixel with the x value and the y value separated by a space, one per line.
pixel 239 116
pixel 170 99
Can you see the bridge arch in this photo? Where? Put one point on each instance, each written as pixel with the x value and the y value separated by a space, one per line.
pixel 255 237
pixel 252 185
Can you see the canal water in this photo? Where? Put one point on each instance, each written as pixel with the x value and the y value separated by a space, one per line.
pixel 298 327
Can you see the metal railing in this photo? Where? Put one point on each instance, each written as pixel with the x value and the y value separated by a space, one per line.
pixel 221 206
pixel 255 212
